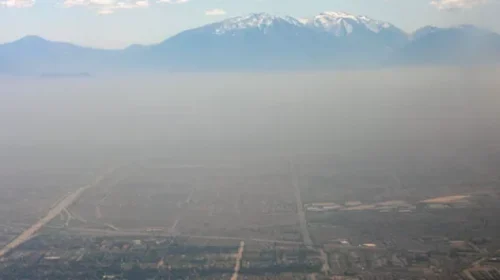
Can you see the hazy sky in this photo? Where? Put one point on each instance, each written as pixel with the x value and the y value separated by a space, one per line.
pixel 118 23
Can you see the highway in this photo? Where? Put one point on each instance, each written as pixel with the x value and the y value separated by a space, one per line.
pixel 239 256
pixel 137 233
pixel 303 222
pixel 53 212
pixel 300 208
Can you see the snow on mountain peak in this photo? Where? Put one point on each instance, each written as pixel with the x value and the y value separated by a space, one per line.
pixel 331 14
pixel 261 21
pixel 336 23
pixel 343 24
pixel 374 25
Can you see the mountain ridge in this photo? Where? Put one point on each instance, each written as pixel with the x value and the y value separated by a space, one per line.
pixel 261 41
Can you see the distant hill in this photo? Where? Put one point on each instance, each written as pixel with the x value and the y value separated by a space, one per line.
pixel 330 40
pixel 464 44
pixel 35 55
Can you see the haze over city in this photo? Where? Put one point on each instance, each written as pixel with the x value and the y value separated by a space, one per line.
pixel 256 140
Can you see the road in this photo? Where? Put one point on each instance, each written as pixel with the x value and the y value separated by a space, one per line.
pixel 325 268
pixel 300 208
pixel 53 212
pixel 190 196
pixel 262 240
pixel 239 256
pixel 173 229
pixel 303 222
pixel 102 232
pixel 69 217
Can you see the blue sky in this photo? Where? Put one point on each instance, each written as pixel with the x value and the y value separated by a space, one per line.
pixel 118 23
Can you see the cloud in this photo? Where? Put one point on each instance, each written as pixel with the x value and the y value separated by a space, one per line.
pixel 17 3
pixel 215 12
pixel 71 3
pixel 173 1
pixel 451 5
pixel 105 12
pixel 107 7
pixel 131 4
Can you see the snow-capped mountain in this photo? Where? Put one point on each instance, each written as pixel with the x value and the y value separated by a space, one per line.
pixel 329 38
pixel 261 28
pixel 336 23
pixel 344 24
pixel 255 40
pixel 260 21
pixel 359 30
